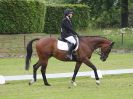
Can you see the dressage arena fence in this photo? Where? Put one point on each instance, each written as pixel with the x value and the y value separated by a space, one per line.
pixel 15 45
pixel 3 79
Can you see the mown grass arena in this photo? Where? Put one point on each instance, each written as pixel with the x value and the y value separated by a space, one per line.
pixel 112 86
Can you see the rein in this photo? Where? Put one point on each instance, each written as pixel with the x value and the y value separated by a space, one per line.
pixel 97 52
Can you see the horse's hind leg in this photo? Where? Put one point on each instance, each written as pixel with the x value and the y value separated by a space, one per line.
pixel 35 68
pixel 43 71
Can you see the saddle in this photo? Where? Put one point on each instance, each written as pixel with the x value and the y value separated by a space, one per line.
pixel 63 44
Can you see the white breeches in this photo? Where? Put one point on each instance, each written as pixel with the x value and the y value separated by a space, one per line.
pixel 71 39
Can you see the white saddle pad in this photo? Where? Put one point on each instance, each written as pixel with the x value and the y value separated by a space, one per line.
pixel 64 46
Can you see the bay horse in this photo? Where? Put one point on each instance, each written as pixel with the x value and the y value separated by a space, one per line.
pixel 47 47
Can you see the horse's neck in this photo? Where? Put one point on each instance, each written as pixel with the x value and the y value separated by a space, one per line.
pixel 95 42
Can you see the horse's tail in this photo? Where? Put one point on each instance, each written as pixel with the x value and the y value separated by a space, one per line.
pixel 29 53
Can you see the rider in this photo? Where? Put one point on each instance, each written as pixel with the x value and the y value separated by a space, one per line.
pixel 67 31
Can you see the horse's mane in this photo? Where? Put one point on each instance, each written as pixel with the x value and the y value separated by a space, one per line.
pixel 93 37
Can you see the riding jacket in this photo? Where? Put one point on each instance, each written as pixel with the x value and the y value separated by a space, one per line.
pixel 66 28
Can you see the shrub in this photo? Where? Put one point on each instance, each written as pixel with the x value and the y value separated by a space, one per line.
pixel 17 16
pixel 54 15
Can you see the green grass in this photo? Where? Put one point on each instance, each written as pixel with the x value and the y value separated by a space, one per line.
pixel 15 66
pixel 112 87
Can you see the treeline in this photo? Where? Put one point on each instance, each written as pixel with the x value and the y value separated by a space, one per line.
pixel 28 16
pixel 109 13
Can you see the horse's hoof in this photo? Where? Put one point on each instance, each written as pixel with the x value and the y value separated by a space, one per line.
pixel 47 84
pixel 72 84
pixel 31 82
pixel 97 82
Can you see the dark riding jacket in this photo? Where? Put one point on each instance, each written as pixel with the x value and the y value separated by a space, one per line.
pixel 66 28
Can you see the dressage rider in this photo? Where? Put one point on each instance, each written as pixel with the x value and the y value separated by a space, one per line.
pixel 67 31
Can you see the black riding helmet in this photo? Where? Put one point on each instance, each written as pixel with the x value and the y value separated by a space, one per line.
pixel 68 11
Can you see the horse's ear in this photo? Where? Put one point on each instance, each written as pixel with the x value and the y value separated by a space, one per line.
pixel 112 43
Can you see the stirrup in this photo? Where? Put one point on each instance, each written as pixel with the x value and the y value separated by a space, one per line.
pixel 69 56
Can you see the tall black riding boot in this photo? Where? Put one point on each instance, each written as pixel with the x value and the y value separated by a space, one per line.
pixel 69 54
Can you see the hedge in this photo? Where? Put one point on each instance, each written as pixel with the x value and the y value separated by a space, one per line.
pixel 54 15
pixel 17 16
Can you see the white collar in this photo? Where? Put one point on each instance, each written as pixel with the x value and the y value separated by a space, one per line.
pixel 68 17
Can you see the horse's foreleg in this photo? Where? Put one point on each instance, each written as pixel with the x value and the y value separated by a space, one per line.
pixel 43 71
pixel 77 66
pixel 88 63
pixel 35 68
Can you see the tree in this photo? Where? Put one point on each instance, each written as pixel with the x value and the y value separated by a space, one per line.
pixel 124 13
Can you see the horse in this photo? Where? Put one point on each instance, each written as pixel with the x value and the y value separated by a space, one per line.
pixel 47 48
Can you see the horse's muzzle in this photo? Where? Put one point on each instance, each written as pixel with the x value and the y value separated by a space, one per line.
pixel 103 57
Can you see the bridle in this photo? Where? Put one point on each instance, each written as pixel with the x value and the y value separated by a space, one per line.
pixel 98 52
pixel 102 53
